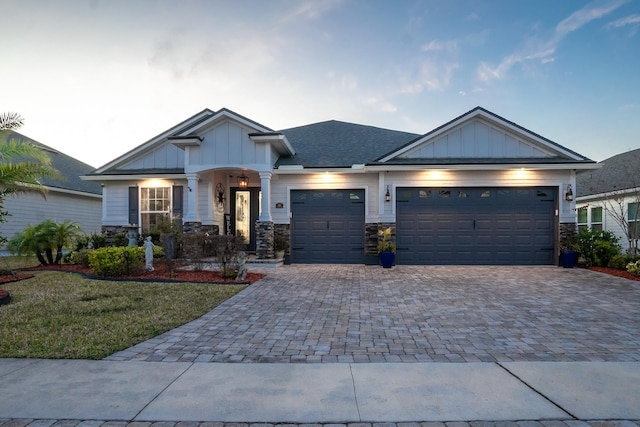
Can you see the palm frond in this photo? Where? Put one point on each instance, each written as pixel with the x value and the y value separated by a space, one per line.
pixel 15 149
pixel 10 121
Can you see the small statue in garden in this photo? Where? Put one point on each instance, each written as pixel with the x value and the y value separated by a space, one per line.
pixel 242 266
pixel 148 253
pixel 132 237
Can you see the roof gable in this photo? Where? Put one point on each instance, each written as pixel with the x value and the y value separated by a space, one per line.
pixel 480 136
pixel 153 144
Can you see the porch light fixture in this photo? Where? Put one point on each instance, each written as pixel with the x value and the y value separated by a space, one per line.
pixel 568 196
pixel 243 181
pixel 387 195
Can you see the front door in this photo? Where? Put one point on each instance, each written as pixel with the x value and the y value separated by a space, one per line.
pixel 245 210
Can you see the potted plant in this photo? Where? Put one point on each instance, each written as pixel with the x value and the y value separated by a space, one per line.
pixel 280 246
pixel 386 248
pixel 568 254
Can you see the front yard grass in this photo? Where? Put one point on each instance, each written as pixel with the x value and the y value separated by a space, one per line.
pixel 65 316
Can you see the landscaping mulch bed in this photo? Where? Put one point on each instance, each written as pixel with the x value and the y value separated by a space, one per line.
pixel 161 273
pixel 614 272
pixel 14 277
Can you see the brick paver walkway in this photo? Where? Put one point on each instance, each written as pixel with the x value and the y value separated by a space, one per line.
pixel 99 423
pixel 355 313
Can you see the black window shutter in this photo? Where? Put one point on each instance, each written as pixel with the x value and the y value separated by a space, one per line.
pixel 133 205
pixel 178 193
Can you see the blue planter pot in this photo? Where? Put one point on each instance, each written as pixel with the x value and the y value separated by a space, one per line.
pixel 387 258
pixel 569 258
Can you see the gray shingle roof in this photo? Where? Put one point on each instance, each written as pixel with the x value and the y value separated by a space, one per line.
pixel 340 144
pixel 619 172
pixel 69 167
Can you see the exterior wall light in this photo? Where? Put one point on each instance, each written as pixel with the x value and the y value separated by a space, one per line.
pixel 243 181
pixel 387 195
pixel 568 196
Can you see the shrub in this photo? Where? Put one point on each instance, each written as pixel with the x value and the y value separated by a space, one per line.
pixel 120 239
pixel 586 245
pixel 226 250
pixel 113 262
pixel 603 252
pixel 92 241
pixel 620 261
pixel 634 268
pixel 280 243
pixel 80 257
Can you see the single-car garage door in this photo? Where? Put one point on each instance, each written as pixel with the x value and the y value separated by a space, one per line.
pixel 481 226
pixel 327 226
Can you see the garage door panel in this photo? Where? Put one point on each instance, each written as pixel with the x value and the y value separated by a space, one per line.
pixel 327 226
pixel 476 225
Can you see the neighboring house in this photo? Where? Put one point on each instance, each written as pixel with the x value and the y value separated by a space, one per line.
pixel 609 197
pixel 70 199
pixel 476 190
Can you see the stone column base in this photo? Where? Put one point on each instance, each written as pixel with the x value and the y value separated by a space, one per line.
pixel 264 239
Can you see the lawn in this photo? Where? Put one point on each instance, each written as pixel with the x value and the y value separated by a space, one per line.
pixel 66 316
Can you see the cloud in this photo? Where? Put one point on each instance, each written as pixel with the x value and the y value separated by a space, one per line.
pixel 585 15
pixel 543 50
pixel 440 46
pixel 623 22
pixel 310 10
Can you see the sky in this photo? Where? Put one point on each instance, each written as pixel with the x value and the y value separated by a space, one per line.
pixel 96 78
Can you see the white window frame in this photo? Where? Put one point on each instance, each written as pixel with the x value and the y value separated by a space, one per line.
pixel 166 205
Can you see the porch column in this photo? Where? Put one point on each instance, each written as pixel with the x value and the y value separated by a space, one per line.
pixel 265 206
pixel 192 199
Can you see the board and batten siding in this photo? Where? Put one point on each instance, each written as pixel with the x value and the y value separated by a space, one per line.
pixel 166 156
pixel 228 144
pixel 476 139
pixel 32 208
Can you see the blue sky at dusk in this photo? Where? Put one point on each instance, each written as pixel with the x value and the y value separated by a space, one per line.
pixel 94 79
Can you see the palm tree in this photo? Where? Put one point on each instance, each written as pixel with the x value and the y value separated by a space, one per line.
pixel 45 239
pixel 22 164
pixel 65 235
pixel 33 163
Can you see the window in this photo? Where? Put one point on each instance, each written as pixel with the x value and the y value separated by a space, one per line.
pixel 583 220
pixel 634 220
pixel 596 218
pixel 155 207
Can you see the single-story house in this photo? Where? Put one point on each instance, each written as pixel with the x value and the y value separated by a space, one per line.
pixel 477 190
pixel 69 199
pixel 608 198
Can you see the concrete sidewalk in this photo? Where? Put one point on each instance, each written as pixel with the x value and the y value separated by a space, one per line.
pixel 318 393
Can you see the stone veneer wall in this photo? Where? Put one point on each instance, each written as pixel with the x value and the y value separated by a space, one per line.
pixel 371 237
pixel 264 239
pixel 111 231
pixel 197 227
pixel 568 232
pixel 283 230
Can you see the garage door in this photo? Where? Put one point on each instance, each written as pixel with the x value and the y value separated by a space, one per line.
pixel 482 226
pixel 327 226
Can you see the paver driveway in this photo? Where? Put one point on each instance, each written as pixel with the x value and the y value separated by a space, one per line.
pixel 355 313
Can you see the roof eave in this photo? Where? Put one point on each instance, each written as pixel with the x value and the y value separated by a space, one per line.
pixel 277 140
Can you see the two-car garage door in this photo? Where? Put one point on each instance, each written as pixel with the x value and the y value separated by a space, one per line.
pixel 482 226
